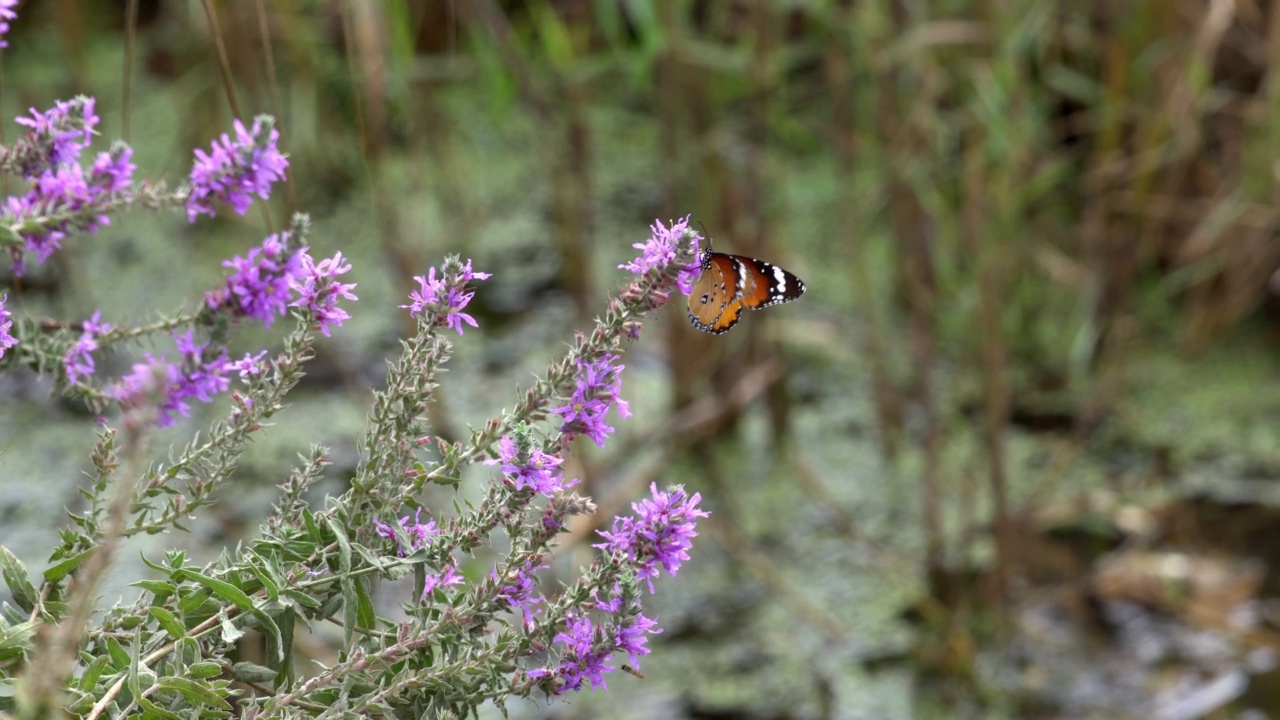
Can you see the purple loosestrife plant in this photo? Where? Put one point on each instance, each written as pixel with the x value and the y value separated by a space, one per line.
pixel 7 15
pixel 66 198
pixel 599 383
pixel 259 286
pixel 6 322
pixel 56 136
pixel 477 624
pixel 319 292
pixel 443 301
pixel 79 359
pixel 233 171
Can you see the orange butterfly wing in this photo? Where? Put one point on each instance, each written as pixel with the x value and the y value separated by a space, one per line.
pixel 729 283
pixel 714 305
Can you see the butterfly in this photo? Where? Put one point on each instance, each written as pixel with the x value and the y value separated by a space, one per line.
pixel 731 282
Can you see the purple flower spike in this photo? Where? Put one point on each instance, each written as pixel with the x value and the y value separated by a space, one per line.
pixel 419 533
pixel 62 200
pixel 235 170
pixel 152 381
pixel 249 365
pixel 7 15
pixel 599 383
pixel 520 592
pixel 582 660
pixel 660 250
pixel 442 299
pixel 631 636
pixel 434 581
pixel 60 134
pixel 6 340
pixel 537 473
pixel 112 172
pixel 198 377
pixel 259 284
pixel 660 534
pixel 79 359
pixel 319 292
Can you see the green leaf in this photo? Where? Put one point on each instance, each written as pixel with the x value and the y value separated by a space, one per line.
pixel 194 600
pixel 9 238
pixel 153 710
pixel 158 588
pixel 344 545
pixel 364 606
pixel 349 597
pixel 264 575
pixel 248 672
pixel 155 566
pixel 168 621
pixel 65 567
pixel 186 651
pixel 288 618
pixel 18 580
pixel 309 519
pixel 303 599
pixel 221 588
pixel 230 633
pixel 119 656
pixel 93 671
pixel 205 669
pixel 17 639
pixel 195 691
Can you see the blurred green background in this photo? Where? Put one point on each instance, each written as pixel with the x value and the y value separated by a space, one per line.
pixel 1014 454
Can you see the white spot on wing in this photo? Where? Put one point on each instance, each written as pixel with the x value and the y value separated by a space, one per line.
pixel 781 278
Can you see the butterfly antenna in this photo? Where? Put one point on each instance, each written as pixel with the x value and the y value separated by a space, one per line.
pixel 705 234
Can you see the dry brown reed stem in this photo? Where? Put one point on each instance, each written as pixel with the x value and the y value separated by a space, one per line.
pixel 847 121
pixel 912 228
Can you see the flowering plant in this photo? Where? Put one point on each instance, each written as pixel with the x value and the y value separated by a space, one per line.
pixel 461 637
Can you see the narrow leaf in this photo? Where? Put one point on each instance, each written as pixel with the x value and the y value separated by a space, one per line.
pixel 222 589
pixel 195 691
pixel 168 621
pixel 64 568
pixel 18 580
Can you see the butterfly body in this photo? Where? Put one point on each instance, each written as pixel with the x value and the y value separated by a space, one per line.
pixel 729 283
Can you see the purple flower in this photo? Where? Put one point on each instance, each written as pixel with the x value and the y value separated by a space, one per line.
pixel 58 135
pixel 584 659
pixel 249 365
pixel 537 472
pixel 631 636
pixel 152 382
pixel 449 577
pixel 203 378
pixel 660 534
pixel 197 377
pixel 660 249
pixel 62 201
pixel 521 591
pixel 234 170
pixel 418 532
pixel 599 383
pixel 112 172
pixel 79 359
pixel 260 282
pixel 61 192
pixel 443 299
pixel 6 340
pixel 7 15
pixel 318 292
